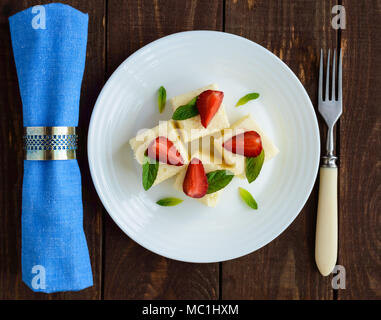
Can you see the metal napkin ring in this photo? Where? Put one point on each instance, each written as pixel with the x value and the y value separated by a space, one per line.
pixel 50 143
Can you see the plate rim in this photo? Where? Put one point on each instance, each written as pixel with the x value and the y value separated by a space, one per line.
pixel 101 195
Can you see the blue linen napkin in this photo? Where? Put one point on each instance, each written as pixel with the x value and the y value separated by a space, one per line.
pixel 49 46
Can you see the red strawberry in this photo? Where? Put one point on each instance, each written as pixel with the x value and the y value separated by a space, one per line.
pixel 164 150
pixel 195 183
pixel 208 104
pixel 248 144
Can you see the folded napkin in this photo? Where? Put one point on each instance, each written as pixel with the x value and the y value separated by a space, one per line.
pixel 49 46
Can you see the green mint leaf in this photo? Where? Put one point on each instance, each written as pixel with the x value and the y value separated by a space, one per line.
pixel 161 98
pixel 247 98
pixel 254 166
pixel 248 198
pixel 169 202
pixel 218 179
pixel 186 111
pixel 150 170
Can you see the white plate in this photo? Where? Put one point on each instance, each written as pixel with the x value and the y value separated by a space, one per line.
pixel 183 62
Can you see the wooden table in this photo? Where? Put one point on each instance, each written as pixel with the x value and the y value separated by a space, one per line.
pixel 294 30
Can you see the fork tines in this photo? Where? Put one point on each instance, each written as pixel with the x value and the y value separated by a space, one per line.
pixel 334 97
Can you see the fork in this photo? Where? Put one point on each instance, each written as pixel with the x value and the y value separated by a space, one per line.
pixel 326 224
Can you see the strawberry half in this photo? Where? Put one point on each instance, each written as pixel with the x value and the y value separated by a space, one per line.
pixel 163 150
pixel 208 104
pixel 195 183
pixel 248 144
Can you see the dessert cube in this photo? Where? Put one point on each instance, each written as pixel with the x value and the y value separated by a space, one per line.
pixel 140 143
pixel 236 162
pixel 192 128
pixel 210 164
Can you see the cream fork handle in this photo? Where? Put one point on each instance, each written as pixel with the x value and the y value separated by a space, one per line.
pixel 326 224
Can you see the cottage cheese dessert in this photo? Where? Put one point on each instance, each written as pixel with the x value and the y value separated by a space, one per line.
pixel 199 127
pixel 165 134
pixel 192 128
pixel 209 165
pixel 237 161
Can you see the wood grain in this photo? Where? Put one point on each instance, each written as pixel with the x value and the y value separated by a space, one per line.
pixel 11 163
pixel 294 31
pixel 132 272
pixel 360 152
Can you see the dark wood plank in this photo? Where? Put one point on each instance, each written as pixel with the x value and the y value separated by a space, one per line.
pixel 294 31
pixel 360 152
pixel 11 286
pixel 132 272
